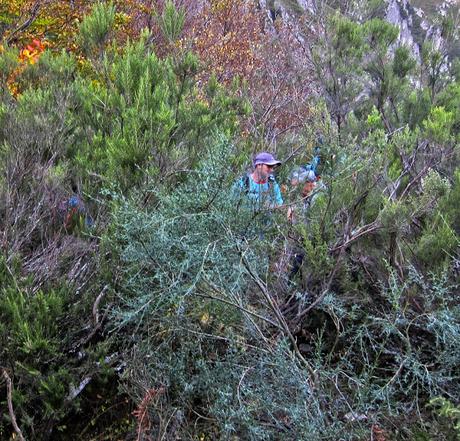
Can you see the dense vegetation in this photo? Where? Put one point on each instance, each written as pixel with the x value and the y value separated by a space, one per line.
pixel 140 299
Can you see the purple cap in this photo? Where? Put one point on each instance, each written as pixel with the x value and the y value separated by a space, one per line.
pixel 265 158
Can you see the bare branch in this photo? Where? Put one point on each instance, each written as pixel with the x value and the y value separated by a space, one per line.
pixel 246 311
pixel 33 15
pixel 96 304
pixel 366 229
pixel 75 391
pixel 278 314
pixel 9 396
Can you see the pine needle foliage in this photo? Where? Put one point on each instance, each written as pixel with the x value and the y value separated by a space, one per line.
pixel 94 31
pixel 144 116
pixel 31 347
pixel 171 21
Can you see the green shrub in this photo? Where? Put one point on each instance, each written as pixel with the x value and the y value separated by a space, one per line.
pixel 95 29
pixel 31 339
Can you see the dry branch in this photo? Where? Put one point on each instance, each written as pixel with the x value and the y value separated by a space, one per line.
pixel 9 396
pixel 33 15
pixel 96 304
pixel 278 314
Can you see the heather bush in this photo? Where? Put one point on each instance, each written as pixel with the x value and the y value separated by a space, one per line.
pixel 33 351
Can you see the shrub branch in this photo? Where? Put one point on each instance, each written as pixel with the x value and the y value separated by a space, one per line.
pixel 9 396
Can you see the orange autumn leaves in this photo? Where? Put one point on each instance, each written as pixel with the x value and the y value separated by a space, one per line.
pixel 31 53
pixel 31 26
pixel 57 21
pixel 225 34
pixel 28 55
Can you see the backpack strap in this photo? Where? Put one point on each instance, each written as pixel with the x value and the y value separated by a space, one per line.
pixel 245 180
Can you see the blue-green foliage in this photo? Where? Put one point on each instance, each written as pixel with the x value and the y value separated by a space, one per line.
pixel 192 238
pixel 189 266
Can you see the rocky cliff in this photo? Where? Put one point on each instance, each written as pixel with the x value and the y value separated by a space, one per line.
pixel 413 22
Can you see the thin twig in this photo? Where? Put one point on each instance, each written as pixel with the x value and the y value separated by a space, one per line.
pixel 249 313
pixel 262 287
pixel 9 395
pixel 240 382
pixel 393 378
pixel 218 337
pixel 293 154
pixel 411 183
pixel 373 226
pixel 34 13
pixel 75 391
pixel 241 308
pixel 326 289
pixel 96 304
pixel 320 298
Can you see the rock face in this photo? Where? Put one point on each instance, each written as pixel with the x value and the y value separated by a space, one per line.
pixel 402 15
pixel 414 28
pixel 411 21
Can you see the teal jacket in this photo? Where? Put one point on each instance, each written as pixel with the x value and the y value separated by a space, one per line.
pixel 259 196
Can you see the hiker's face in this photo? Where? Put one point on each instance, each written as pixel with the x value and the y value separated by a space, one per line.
pixel 308 188
pixel 264 170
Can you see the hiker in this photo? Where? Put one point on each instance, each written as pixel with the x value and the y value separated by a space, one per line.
pixel 73 213
pixel 307 184
pixel 307 176
pixel 260 186
pixel 310 186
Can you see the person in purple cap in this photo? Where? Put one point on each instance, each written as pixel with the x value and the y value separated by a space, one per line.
pixel 260 186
